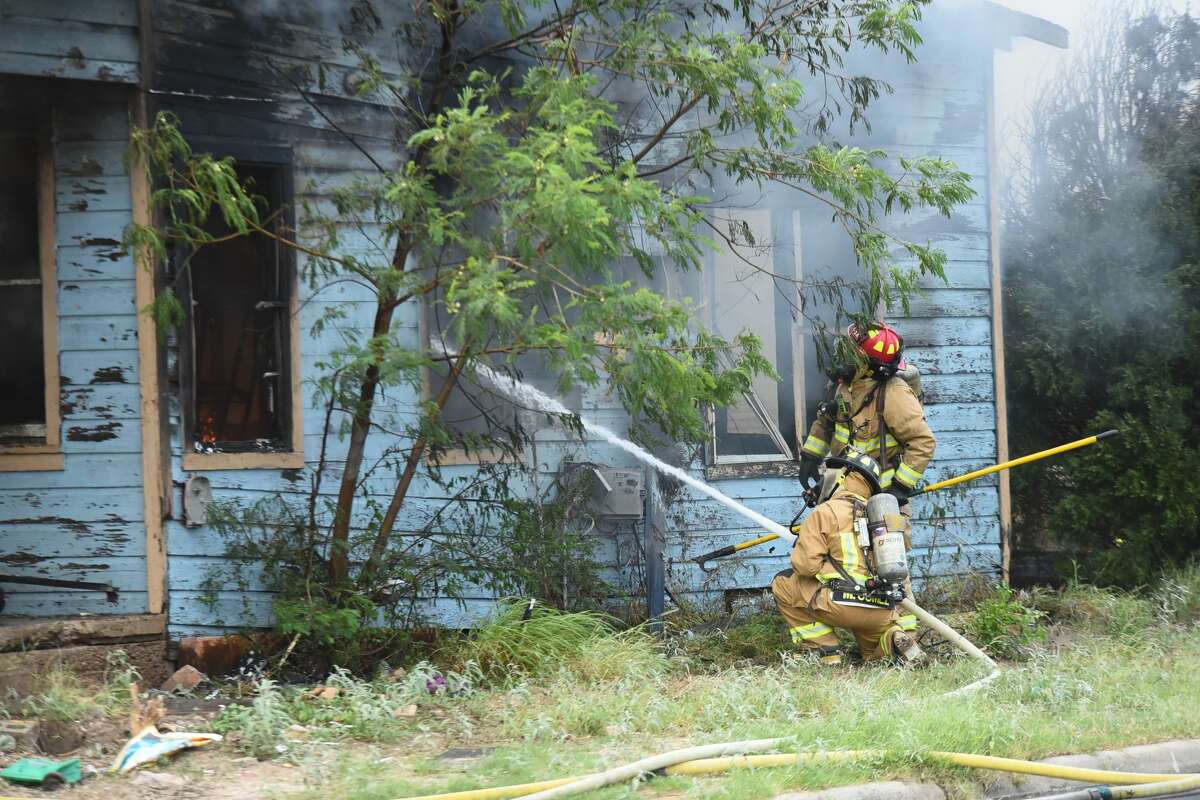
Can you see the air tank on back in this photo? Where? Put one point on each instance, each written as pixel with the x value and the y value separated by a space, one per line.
pixel 886 528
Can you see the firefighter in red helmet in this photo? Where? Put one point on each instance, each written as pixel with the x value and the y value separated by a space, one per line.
pixel 875 410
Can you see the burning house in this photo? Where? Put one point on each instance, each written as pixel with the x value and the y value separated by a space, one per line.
pixel 113 438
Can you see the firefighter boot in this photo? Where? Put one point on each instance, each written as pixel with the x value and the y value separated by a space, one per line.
pixel 831 656
pixel 905 650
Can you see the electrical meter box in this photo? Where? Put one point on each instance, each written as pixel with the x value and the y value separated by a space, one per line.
pixel 615 494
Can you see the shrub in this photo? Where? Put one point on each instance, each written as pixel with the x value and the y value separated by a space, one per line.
pixel 1005 626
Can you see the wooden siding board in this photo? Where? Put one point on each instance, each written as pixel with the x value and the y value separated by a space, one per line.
pixel 87 159
pixel 98 332
pixel 18 506
pixel 56 67
pixel 68 39
pixel 122 13
pixel 90 367
pixel 32 542
pixel 101 436
pixel 95 119
pixel 78 193
pixel 80 264
pixel 950 360
pixel 104 298
pixel 108 400
pixel 80 471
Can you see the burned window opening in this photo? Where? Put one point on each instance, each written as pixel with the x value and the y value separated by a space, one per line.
pixel 22 357
pixel 239 324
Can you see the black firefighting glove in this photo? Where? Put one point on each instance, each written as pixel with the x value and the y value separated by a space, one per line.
pixel 899 491
pixel 809 464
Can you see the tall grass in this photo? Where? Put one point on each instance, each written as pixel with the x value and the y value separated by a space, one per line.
pixel 510 646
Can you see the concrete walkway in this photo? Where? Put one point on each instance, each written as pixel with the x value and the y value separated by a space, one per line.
pixel 1181 756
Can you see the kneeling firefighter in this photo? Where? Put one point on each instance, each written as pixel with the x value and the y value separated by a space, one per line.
pixel 849 570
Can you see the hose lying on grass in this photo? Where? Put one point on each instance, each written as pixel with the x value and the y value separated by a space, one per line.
pixel 958 640
pixel 741 755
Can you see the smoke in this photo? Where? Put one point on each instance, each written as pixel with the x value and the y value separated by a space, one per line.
pixel 320 15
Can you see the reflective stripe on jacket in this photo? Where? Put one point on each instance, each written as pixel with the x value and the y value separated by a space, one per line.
pixel 909 443
pixel 828 533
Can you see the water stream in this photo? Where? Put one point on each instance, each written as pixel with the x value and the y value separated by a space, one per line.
pixel 530 397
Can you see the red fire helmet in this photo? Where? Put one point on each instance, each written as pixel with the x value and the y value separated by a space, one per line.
pixel 880 343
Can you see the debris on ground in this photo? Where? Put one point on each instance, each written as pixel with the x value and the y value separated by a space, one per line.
pixel 322 693
pixel 150 745
pixel 23 732
pixel 158 780
pixel 43 772
pixel 59 737
pixel 185 679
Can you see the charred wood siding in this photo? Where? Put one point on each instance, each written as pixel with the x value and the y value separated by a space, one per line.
pixel 96 40
pixel 85 522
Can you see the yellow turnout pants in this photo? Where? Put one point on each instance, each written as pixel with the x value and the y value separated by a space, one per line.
pixel 811 624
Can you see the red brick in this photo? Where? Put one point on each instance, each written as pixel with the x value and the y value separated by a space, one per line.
pixel 186 678
pixel 213 655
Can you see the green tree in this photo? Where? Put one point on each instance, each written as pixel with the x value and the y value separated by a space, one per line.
pixel 541 145
pixel 1102 248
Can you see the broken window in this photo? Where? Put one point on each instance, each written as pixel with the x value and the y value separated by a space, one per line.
pixel 750 287
pixel 240 330
pixel 28 354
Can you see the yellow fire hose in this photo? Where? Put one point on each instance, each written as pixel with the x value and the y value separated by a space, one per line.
pixel 729 550
pixel 1127 784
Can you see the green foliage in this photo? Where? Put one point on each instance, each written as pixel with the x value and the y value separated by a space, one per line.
pixel 1005 626
pixel 512 647
pixel 1109 218
pixel 260 725
pixel 1091 610
pixel 62 696
pixel 361 709
pixel 1177 595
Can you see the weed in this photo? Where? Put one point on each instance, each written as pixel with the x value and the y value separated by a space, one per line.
pixel 1005 626
pixel 65 697
pixel 259 726
pixel 757 639
pixel 1176 598
pixel 519 641
pixel 1090 610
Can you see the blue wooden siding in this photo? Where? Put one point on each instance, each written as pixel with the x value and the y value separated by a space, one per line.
pixel 938 107
pixel 94 40
pixel 85 522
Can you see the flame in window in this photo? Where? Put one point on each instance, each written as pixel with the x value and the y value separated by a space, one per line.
pixel 207 437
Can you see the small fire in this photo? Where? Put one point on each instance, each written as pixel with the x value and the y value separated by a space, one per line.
pixel 208 435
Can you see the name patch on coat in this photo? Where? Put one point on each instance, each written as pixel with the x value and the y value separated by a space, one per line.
pixel 861 599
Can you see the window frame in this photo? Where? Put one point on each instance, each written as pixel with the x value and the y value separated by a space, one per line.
pixel 281 158
pixel 719 466
pixel 48 456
